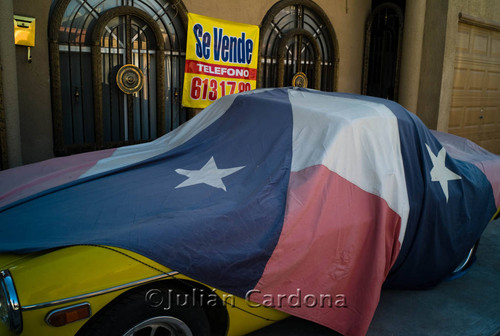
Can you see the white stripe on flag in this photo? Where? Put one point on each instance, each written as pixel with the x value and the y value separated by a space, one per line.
pixel 359 140
pixel 127 155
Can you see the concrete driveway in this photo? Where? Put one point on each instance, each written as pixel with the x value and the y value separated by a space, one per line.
pixel 469 305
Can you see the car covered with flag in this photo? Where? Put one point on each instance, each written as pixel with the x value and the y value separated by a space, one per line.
pixel 267 203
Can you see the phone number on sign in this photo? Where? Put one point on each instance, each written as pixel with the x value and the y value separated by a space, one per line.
pixel 212 89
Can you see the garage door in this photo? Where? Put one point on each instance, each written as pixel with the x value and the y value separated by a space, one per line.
pixel 475 106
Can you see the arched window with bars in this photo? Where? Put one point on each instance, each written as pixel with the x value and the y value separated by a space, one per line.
pixel 297 38
pixel 116 71
pixel 382 57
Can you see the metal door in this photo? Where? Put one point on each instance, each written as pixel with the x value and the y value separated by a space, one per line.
pixel 383 43
pixel 116 71
pixel 298 47
pixel 127 55
pixel 299 57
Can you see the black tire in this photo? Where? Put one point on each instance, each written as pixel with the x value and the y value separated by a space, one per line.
pixel 137 312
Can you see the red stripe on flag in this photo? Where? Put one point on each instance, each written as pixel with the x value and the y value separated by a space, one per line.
pixel 337 241
pixel 30 179
pixel 492 172
pixel 216 70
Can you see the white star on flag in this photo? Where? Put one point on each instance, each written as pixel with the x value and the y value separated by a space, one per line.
pixel 439 173
pixel 209 174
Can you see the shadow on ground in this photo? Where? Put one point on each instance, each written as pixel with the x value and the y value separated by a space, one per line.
pixel 469 305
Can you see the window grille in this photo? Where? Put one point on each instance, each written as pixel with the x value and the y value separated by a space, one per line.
pixel 297 37
pixel 90 40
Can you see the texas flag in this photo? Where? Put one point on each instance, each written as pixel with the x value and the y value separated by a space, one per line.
pixel 303 200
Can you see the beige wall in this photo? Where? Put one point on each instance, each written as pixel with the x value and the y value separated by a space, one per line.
pixel 347 17
pixel 348 23
pixel 413 33
pixel 34 86
pixel 251 12
pixel 9 86
pixel 432 60
pixel 426 70
pixel 430 36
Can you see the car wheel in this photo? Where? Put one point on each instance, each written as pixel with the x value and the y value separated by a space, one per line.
pixel 160 325
pixel 133 314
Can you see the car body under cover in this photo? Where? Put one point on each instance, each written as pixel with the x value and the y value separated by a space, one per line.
pixel 278 192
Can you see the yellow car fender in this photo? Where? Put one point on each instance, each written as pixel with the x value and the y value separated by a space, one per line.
pixel 51 280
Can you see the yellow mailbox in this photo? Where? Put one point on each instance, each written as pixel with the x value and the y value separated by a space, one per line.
pixel 24 31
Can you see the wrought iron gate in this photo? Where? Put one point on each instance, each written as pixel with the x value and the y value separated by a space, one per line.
pixel 383 44
pixel 127 55
pixel 116 71
pixel 297 41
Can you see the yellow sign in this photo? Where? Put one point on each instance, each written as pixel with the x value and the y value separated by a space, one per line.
pixel 221 59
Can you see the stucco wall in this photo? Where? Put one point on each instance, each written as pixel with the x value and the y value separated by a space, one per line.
pixel 411 54
pixel 347 17
pixel 34 86
pixel 12 135
pixel 431 66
